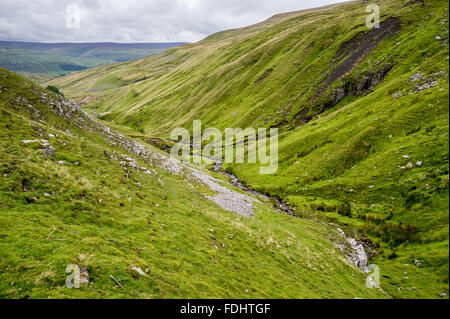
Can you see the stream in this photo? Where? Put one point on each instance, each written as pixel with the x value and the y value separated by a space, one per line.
pixel 281 206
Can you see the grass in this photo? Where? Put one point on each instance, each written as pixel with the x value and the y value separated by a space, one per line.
pixel 41 62
pixel 86 212
pixel 341 161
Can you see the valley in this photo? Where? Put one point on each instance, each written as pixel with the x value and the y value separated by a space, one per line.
pixel 41 62
pixel 362 170
pixel 139 224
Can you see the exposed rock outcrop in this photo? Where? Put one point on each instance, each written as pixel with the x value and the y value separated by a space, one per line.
pixel 354 252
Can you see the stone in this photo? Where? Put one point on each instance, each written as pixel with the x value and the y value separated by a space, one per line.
pixel 409 165
pixel 357 256
pixel 49 151
pixel 416 77
pixel 138 270
pixel 84 276
pixel 419 163
pixel 131 162
pixel 430 83
pixel 31 141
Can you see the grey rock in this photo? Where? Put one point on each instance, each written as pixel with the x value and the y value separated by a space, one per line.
pixel 416 77
pixel 355 252
pixel 138 270
pixel 84 276
pixel 49 151
pixel 430 83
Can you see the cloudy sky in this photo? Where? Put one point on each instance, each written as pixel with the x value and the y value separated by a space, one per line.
pixel 134 20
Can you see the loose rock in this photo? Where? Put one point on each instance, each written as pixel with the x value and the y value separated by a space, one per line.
pixel 138 270
pixel 49 151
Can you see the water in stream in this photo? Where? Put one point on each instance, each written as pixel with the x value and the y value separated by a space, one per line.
pixel 281 206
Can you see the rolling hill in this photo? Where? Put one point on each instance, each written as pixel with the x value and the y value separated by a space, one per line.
pixel 362 113
pixel 42 62
pixel 76 192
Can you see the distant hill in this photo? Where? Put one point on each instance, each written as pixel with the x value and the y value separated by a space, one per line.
pixel 44 61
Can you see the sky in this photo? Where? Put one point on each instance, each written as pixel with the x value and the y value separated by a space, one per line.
pixel 135 20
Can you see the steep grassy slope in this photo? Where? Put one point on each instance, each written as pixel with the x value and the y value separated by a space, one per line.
pixel 363 118
pixel 262 75
pixel 85 205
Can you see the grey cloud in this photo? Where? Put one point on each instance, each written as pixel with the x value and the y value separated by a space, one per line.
pixel 136 20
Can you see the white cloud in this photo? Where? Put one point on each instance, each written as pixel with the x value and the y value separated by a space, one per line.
pixel 136 20
pixel 192 4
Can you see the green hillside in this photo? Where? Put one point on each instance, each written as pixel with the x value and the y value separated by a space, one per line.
pixel 73 191
pixel 363 119
pixel 41 62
